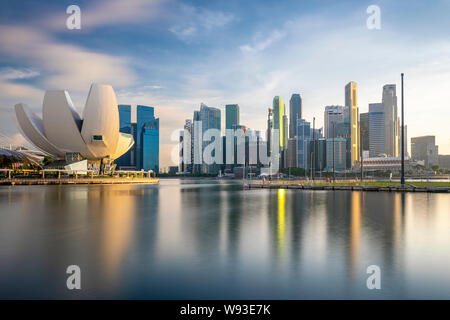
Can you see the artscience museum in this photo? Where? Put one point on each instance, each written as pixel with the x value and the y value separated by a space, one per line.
pixel 65 135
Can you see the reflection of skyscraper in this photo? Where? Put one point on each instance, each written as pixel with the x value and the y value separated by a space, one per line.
pixel 295 113
pixel 147 139
pixel 351 104
pixel 124 127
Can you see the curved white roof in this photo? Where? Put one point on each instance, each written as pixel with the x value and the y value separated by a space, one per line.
pixel 62 130
pixel 33 130
pixel 101 118
pixel 62 124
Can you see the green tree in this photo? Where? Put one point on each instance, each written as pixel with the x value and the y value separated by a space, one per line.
pixel 435 167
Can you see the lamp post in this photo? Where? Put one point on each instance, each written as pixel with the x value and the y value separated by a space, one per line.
pixel 403 139
pixel 334 135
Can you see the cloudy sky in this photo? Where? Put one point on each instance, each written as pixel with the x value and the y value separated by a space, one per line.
pixel 176 54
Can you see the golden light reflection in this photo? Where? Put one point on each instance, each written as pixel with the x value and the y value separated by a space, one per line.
pixel 281 223
pixel 355 231
pixel 117 225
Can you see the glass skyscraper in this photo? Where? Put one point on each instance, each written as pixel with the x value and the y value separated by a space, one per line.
pixel 124 127
pixel 295 113
pixel 377 139
pixel 147 146
pixel 231 116
pixel 303 139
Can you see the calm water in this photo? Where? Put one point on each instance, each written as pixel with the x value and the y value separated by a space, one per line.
pixel 209 239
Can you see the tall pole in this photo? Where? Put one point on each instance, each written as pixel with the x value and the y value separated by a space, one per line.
pixel 403 138
pixel 314 147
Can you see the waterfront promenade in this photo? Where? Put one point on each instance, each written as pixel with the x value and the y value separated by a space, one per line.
pixel 435 187
pixel 53 181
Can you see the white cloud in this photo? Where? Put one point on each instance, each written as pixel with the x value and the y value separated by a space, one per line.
pixel 13 73
pixel 195 21
pixel 108 12
pixel 261 42
pixel 67 66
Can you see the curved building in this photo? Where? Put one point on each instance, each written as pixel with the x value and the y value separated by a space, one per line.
pixel 62 131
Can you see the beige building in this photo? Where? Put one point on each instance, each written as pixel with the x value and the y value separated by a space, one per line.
pixel 351 104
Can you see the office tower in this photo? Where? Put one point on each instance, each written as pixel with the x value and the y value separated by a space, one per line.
pixel 377 141
pixel 186 147
pixel 147 139
pixel 364 130
pixel 424 149
pixel 285 138
pixel 124 127
pixel 303 140
pixel 269 131
pixel 340 154
pixel 295 113
pixel 389 101
pixel 231 116
pixel 319 154
pixel 210 119
pixel 133 157
pixel 332 115
pixel 444 161
pixel 279 113
pixel 291 157
pixel 351 104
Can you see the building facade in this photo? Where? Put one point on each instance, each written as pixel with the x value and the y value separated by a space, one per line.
pixel 377 141
pixel 351 104
pixel 425 149
pixel 147 132
pixel 295 113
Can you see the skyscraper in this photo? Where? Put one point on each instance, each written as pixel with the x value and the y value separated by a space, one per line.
pixel 425 149
pixel 332 115
pixel 279 112
pixel 231 116
pixel 338 161
pixel 124 127
pixel 377 142
pixel 147 150
pixel 389 101
pixel 210 118
pixel 351 104
pixel 303 138
pixel 364 130
pixel 295 113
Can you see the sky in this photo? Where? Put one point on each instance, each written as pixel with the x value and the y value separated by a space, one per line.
pixel 174 55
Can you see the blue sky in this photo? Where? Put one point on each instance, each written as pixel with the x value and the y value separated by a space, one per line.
pixel 176 54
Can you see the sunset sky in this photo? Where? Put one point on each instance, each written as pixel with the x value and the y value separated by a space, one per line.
pixel 174 55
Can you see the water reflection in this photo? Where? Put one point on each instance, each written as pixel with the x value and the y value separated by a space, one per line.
pixel 209 239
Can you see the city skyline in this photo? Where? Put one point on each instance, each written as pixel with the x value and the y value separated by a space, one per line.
pixel 177 59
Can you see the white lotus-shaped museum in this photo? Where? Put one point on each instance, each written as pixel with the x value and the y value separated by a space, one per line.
pixel 61 130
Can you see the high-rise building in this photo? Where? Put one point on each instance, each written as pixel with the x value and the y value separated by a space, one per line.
pixel 231 116
pixel 364 130
pixel 186 147
pixel 444 161
pixel 351 104
pixel 210 119
pixel 269 130
pixel 304 132
pixel 377 141
pixel 389 102
pixel 124 127
pixel 295 113
pixel 147 150
pixel 424 149
pixel 318 147
pixel 332 115
pixel 338 161
pixel 279 112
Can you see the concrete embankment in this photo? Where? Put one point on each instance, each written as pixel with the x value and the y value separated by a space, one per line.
pixel 79 181
pixel 408 188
